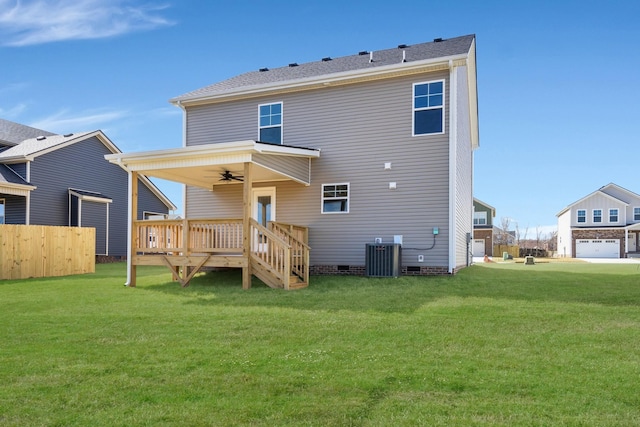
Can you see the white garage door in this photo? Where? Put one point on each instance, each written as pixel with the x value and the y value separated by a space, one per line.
pixel 598 248
pixel 478 247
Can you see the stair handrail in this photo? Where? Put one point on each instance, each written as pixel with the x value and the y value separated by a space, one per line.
pixel 300 268
pixel 280 265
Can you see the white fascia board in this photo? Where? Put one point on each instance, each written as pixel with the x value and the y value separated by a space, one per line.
pixel 198 154
pixel 16 189
pixel 345 77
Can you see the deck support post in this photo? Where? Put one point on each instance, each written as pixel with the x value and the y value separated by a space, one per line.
pixel 131 237
pixel 247 203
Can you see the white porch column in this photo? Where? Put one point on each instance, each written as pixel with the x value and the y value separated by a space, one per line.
pixel 247 202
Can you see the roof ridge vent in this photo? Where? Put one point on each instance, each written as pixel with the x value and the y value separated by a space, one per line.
pixel 67 135
pixel 402 46
pixel 326 59
pixel 363 52
pixel 41 138
pixel 293 64
pixel 438 40
pixel 262 70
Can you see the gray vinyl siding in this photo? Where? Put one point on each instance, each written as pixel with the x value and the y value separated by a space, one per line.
pixel 95 215
pixel 20 169
pixel 82 166
pixel 15 208
pixel 463 187
pixel 296 167
pixel 357 128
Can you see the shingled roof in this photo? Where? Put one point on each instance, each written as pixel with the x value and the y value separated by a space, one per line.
pixel 403 54
pixel 12 133
pixel 33 146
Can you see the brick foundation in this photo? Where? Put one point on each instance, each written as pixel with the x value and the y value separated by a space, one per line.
pixel 106 259
pixel 359 270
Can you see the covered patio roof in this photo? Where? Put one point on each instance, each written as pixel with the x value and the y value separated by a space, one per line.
pixel 204 165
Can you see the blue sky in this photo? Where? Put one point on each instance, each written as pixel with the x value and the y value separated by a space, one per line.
pixel 558 81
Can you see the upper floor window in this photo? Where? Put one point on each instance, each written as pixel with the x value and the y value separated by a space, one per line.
pixel 582 215
pixel 1 211
pixel 479 218
pixel 335 198
pixel 270 120
pixel 636 214
pixel 613 215
pixel 428 107
pixel 597 215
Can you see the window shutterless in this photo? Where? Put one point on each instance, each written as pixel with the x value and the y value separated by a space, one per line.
pixel 270 123
pixel 428 107
pixel 335 198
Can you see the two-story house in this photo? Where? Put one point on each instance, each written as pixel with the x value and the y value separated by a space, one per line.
pixel 483 228
pixel 603 224
pixel 339 153
pixel 64 180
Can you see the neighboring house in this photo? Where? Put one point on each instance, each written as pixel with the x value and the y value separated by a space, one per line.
pixel 603 224
pixel 376 146
pixel 64 180
pixel 483 228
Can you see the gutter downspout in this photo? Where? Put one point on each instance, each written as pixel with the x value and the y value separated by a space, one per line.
pixel 27 219
pixel 184 144
pixel 452 173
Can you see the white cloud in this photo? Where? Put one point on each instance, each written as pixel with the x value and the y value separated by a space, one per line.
pixel 30 22
pixel 13 112
pixel 63 121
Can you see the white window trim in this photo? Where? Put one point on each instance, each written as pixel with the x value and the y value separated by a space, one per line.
pixel 414 109
pixel 322 198
pixel 617 214
pixel 480 215
pixel 281 125
pixel 578 216
pixel 593 217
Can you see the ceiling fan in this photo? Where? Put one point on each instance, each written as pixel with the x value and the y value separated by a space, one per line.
pixel 228 176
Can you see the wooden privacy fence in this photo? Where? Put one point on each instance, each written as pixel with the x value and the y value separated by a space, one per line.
pixel 43 251
pixel 512 250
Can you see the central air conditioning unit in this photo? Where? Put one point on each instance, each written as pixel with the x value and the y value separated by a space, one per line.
pixel 383 260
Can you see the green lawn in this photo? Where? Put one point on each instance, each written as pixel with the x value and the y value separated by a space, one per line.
pixel 499 344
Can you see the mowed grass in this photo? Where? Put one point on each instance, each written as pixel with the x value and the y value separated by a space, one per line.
pixel 497 344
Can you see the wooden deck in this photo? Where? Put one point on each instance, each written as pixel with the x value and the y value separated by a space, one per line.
pixel 278 254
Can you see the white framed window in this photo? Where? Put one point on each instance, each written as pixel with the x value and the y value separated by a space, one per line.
pixel 597 215
pixel 582 215
pixel 428 107
pixel 480 218
pixel 636 214
pixel 335 198
pixel 1 211
pixel 613 215
pixel 270 123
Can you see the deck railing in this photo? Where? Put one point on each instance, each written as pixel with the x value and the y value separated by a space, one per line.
pixel 279 253
pixel 297 237
pixel 271 253
pixel 203 236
